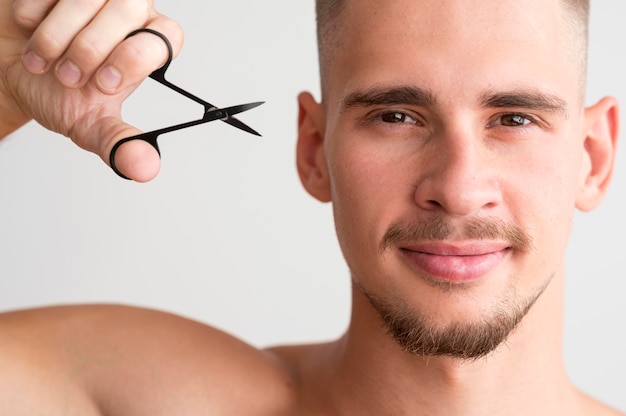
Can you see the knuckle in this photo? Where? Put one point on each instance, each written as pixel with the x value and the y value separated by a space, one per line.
pixel 89 4
pixel 135 11
pixel 143 10
pixel 137 56
pixel 48 44
pixel 24 16
pixel 87 49
pixel 172 30
pixel 175 33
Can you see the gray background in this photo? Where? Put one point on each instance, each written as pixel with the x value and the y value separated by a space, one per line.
pixel 225 234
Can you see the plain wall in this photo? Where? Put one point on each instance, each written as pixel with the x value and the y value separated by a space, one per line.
pixel 225 234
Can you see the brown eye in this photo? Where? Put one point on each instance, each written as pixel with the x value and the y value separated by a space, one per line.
pixel 396 118
pixel 514 120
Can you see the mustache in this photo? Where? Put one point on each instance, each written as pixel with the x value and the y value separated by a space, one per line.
pixel 438 229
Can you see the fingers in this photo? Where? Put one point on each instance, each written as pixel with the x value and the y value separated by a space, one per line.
pixel 75 38
pixel 29 14
pixel 83 44
pixel 54 30
pixel 136 159
pixel 138 56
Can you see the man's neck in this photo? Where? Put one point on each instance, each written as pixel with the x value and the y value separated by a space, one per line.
pixel 371 374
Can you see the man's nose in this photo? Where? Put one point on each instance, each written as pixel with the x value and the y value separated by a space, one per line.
pixel 460 176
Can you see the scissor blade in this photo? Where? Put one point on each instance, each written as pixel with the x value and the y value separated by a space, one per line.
pixel 240 125
pixel 225 114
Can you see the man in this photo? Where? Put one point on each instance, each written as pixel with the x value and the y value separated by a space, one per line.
pixel 454 146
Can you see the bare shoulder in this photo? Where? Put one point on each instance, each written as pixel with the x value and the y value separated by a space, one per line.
pixel 121 360
pixel 593 407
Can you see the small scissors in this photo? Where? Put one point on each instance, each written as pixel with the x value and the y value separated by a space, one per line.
pixel 211 113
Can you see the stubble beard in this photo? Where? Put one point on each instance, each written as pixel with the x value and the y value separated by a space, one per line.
pixel 418 333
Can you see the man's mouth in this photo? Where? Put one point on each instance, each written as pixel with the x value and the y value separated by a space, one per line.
pixel 456 262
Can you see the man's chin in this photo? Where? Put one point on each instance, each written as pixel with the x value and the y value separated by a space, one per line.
pixel 467 338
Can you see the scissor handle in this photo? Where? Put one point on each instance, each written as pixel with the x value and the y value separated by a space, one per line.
pixel 158 74
pixel 210 111
pixel 149 137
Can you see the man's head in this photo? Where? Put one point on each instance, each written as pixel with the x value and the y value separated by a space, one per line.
pixel 454 146
pixel 330 13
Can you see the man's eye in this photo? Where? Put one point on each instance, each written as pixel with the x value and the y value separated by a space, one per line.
pixel 512 120
pixel 397 118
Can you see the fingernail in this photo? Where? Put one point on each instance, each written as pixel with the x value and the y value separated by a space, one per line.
pixel 34 63
pixel 110 78
pixel 69 73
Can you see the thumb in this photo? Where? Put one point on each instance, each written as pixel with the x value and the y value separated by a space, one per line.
pixel 135 159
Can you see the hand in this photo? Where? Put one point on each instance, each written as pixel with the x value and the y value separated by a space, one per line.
pixel 67 64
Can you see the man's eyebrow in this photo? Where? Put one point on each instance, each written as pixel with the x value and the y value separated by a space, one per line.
pixel 389 96
pixel 526 99
pixel 411 95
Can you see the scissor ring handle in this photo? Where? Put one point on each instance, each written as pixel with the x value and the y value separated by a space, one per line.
pixel 112 158
pixel 159 75
pixel 149 137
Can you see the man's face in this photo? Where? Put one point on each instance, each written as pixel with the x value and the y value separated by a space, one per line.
pixel 454 147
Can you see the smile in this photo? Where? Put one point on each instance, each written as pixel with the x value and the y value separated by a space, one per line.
pixel 456 263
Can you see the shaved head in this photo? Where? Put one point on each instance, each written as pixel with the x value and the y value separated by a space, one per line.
pixel 329 13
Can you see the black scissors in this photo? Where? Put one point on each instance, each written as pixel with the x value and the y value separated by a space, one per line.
pixel 211 112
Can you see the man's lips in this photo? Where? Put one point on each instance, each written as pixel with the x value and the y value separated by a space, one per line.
pixel 456 262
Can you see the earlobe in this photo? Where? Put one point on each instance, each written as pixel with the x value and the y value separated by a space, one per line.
pixel 602 131
pixel 310 157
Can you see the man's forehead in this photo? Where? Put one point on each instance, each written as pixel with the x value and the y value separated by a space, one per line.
pixel 407 35
pixel 471 18
pixel 455 49
pixel 515 7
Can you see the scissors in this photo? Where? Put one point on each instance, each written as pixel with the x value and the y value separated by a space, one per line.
pixel 211 112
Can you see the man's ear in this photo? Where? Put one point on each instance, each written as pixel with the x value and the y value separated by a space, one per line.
pixel 310 157
pixel 601 135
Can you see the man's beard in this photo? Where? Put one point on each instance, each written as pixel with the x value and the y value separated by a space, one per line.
pixel 417 333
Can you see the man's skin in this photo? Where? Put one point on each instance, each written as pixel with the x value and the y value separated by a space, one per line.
pixel 456 157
